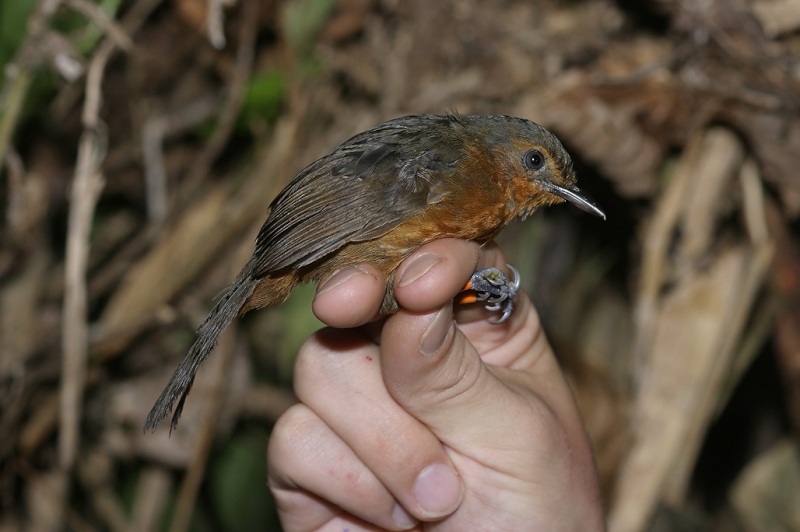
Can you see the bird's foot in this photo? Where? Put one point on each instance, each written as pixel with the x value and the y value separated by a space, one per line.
pixel 492 286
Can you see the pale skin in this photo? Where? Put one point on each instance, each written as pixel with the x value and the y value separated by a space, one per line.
pixel 416 423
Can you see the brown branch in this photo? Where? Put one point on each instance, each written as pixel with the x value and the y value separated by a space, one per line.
pixel 86 188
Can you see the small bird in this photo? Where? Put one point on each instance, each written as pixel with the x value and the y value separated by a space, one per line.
pixel 380 196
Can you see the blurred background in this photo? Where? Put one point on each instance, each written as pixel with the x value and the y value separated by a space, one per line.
pixel 142 141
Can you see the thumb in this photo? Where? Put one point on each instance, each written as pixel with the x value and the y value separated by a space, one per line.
pixel 429 366
pixel 435 374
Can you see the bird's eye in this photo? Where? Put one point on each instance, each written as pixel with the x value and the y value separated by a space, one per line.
pixel 534 160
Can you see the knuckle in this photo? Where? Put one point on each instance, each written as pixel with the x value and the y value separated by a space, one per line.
pixel 291 435
pixel 321 359
pixel 310 356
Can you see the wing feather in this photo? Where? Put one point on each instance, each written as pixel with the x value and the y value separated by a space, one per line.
pixel 366 187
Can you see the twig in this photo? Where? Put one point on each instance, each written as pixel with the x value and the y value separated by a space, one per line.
pixel 229 113
pixel 109 26
pixel 154 131
pixel 215 20
pixel 86 187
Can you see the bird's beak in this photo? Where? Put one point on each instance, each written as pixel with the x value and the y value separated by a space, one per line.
pixel 577 198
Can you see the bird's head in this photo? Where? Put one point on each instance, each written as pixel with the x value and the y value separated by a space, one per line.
pixel 537 165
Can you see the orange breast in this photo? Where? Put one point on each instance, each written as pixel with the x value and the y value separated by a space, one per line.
pixel 480 224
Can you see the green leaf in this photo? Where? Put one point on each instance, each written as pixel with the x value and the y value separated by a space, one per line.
pixel 264 98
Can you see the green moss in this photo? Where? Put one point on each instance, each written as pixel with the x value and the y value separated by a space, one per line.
pixel 263 99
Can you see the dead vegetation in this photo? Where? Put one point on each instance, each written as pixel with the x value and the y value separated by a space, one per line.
pixel 143 140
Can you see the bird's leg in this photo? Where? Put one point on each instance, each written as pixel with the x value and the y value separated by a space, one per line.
pixel 492 285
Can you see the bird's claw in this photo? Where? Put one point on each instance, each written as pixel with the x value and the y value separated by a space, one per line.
pixel 492 286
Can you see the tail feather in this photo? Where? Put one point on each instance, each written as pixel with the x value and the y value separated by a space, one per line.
pixel 215 323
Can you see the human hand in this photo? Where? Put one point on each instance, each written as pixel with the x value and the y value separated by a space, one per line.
pixel 413 423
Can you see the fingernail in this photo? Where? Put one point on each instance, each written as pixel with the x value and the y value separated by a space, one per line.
pixel 437 490
pixel 339 277
pixel 435 335
pixel 417 267
pixel 403 519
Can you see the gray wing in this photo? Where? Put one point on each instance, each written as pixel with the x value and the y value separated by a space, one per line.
pixel 368 186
